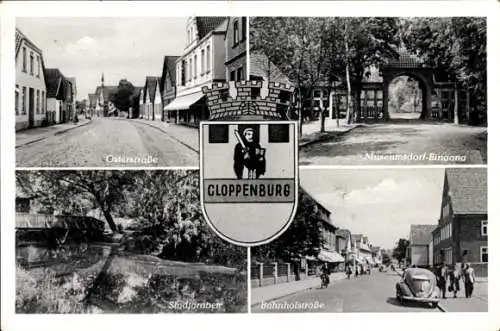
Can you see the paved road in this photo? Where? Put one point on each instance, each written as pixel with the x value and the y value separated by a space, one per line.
pixel 107 142
pixel 430 144
pixel 368 293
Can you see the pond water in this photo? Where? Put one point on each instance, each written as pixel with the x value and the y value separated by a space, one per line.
pixel 94 278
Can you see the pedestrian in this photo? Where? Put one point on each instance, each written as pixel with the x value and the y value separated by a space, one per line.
pixel 455 276
pixel 442 274
pixel 348 271
pixel 469 279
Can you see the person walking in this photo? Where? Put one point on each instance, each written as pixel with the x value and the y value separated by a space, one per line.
pixel 348 271
pixel 469 279
pixel 454 281
pixel 441 279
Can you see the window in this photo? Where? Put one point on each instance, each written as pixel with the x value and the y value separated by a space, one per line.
pixel 218 134
pixel 17 100
pixel 43 102
pixel 190 69
pixel 31 63
pixel 202 71
pixel 24 60
pixel 448 258
pixel 236 33
pixel 38 66
pixel 243 28
pixel 484 254
pixel 239 75
pixel 232 76
pixel 23 110
pixel 183 72
pixel 278 133
pixel 317 93
pixel 37 106
pixel 254 92
pixel 484 228
pixel 195 66
pixel 208 59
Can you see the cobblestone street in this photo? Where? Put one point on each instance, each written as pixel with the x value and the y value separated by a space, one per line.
pixel 108 142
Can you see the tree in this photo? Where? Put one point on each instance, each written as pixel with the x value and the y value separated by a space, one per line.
pixel 302 238
pixel 164 206
pixel 456 45
pixel 77 192
pixel 121 95
pixel 399 252
pixel 368 42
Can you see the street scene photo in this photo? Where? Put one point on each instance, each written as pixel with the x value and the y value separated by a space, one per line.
pixel 99 92
pixel 379 90
pixel 130 241
pixel 379 240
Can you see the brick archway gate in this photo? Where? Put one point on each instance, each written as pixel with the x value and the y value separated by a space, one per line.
pixel 408 65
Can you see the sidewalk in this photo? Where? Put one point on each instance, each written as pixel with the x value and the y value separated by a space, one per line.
pixel 30 136
pixel 186 135
pixel 311 134
pixel 273 292
pixel 477 303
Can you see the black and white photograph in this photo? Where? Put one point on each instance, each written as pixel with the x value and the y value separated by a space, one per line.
pixel 379 240
pixel 111 92
pixel 97 241
pixel 379 90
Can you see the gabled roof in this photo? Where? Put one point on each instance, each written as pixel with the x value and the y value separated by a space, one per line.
pixel 150 87
pixel 54 82
pixel 20 37
pixel 261 66
pixel 421 234
pixel 205 24
pixel 404 59
pixel 106 91
pixel 468 190
pixel 168 66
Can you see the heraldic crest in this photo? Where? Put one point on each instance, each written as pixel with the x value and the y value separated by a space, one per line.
pixel 248 161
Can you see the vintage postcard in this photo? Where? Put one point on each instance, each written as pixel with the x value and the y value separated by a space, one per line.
pixel 237 161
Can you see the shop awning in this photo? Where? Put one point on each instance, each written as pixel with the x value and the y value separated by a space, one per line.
pixel 330 256
pixel 184 102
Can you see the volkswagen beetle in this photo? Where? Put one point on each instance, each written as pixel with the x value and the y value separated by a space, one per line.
pixel 418 285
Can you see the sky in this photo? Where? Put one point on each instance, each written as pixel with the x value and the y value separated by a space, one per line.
pixel 84 48
pixel 379 203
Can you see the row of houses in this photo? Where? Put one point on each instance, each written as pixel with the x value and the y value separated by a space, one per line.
pixel 43 96
pixel 339 247
pixel 215 51
pixel 461 233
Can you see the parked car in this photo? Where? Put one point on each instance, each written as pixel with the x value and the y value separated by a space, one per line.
pixel 418 285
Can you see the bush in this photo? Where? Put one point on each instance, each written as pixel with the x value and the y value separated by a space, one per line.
pixel 42 292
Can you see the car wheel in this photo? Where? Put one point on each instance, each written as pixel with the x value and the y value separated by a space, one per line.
pixel 434 304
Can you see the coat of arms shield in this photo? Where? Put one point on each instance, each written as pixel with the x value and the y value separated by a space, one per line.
pixel 249 178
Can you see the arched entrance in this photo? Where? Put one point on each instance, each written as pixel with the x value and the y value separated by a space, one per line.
pixel 405 98
pixel 408 65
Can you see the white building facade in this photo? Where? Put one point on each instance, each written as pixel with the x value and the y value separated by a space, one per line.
pixel 30 92
pixel 201 64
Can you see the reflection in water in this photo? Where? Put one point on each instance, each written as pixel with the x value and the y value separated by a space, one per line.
pixel 89 278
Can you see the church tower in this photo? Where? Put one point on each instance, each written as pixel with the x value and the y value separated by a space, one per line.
pixel 102 79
